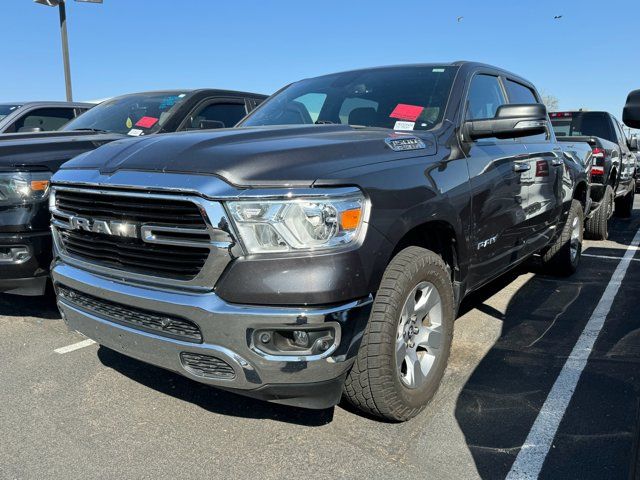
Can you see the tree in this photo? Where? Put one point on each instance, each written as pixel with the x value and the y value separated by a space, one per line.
pixel 551 101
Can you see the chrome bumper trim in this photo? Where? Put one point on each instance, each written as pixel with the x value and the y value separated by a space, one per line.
pixel 224 329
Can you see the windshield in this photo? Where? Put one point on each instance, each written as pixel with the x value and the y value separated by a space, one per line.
pixel 402 98
pixel 138 114
pixel 582 124
pixel 7 109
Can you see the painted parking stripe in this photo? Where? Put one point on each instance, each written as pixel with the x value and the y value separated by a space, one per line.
pixel 607 257
pixel 530 459
pixel 75 346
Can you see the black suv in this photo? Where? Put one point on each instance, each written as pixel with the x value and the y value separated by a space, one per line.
pixel 27 161
pixel 325 245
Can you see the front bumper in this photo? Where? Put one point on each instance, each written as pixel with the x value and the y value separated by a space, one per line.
pixel 26 277
pixel 312 382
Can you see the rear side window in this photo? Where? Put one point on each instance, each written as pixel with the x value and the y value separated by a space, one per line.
pixel 46 119
pixel 485 96
pixel 227 113
pixel 518 93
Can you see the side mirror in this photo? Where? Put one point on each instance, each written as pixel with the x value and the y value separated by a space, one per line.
pixel 210 124
pixel 633 143
pixel 631 112
pixel 511 121
pixel 30 129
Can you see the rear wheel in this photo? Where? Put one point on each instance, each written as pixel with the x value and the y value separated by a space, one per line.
pixel 563 257
pixel 624 205
pixel 597 226
pixel 406 344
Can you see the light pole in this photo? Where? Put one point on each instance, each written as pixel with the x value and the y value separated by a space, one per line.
pixel 63 34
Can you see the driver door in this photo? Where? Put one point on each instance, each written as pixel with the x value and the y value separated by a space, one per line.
pixel 498 196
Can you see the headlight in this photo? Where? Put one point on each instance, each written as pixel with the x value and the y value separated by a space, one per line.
pixel 298 224
pixel 18 188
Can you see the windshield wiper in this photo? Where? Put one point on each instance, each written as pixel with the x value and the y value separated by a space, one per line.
pixel 97 130
pixel 324 122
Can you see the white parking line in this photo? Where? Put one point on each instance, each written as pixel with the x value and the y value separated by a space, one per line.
pixel 530 459
pixel 75 346
pixel 607 257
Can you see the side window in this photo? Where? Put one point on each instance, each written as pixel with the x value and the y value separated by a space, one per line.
pixel 46 119
pixel 485 96
pixel 622 138
pixel 227 113
pixel 355 108
pixel 518 93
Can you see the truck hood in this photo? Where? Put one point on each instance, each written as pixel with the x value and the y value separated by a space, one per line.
pixel 48 149
pixel 255 156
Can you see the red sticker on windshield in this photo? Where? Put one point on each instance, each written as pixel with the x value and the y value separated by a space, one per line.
pixel 146 122
pixel 406 112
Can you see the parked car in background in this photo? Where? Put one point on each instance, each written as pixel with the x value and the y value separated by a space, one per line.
pixel 634 144
pixel 38 116
pixel 327 245
pixel 631 118
pixel 27 161
pixel 613 170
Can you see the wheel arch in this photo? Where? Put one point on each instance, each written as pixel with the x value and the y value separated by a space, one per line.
pixel 581 193
pixel 440 237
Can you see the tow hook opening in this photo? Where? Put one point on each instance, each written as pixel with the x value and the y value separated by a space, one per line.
pixel 295 341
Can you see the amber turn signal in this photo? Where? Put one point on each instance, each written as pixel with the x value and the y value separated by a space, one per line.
pixel 39 185
pixel 350 219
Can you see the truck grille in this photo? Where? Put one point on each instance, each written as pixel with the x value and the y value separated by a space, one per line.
pixel 152 322
pixel 139 209
pixel 136 256
pixel 206 366
pixel 178 250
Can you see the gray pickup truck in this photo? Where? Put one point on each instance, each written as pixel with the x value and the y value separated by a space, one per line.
pixel 614 164
pixel 324 245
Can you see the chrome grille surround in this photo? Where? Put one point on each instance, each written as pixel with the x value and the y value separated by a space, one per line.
pixel 217 237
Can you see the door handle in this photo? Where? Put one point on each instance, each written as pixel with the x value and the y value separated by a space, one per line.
pixel 556 162
pixel 521 167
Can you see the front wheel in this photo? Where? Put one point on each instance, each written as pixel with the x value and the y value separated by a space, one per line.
pixel 406 344
pixel 562 258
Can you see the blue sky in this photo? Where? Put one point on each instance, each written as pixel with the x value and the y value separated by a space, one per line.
pixel 589 58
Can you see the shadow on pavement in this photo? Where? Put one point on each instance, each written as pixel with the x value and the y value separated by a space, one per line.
pixel 19 306
pixel 541 324
pixel 209 398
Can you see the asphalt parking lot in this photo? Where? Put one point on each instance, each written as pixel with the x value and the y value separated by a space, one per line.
pixel 92 413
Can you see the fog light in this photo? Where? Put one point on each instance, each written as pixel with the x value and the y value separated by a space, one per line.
pixel 301 338
pixel 14 254
pixel 296 340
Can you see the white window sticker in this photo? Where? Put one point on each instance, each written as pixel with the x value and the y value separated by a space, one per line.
pixel 135 132
pixel 404 125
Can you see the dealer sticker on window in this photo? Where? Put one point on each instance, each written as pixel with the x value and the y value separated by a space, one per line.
pixel 400 125
pixel 135 132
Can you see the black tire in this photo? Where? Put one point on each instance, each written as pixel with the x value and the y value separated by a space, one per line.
pixel 597 226
pixel 373 384
pixel 624 205
pixel 559 259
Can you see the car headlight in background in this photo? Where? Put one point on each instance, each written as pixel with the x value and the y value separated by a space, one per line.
pixel 298 224
pixel 18 188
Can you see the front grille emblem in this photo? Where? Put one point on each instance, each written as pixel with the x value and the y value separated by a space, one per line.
pixel 113 227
